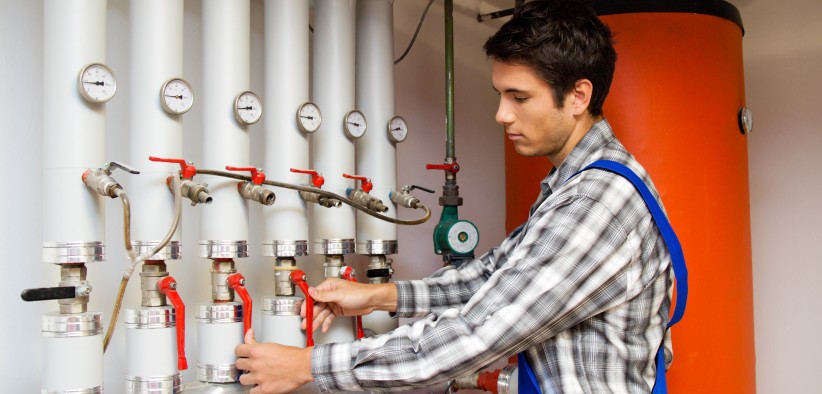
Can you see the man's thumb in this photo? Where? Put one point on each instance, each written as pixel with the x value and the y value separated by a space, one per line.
pixel 249 336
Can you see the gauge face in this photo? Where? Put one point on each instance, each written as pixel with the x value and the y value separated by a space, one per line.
pixel 397 129
pixel 745 120
pixel 354 124
pixel 248 108
pixel 176 96
pixel 96 83
pixel 309 117
pixel 463 237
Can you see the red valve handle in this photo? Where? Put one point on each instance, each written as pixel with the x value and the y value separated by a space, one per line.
pixel 257 175
pixel 316 179
pixel 366 183
pixel 188 170
pixel 298 278
pixel 237 282
pixel 168 287
pixel 488 381
pixel 347 273
pixel 450 167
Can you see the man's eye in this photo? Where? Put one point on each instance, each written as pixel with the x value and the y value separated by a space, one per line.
pixel 520 99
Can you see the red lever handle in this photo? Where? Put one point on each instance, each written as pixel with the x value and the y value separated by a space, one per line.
pixel 168 287
pixel 298 278
pixel 347 273
pixel 488 381
pixel 188 169
pixel 237 282
pixel 316 179
pixel 366 183
pixel 257 175
pixel 450 167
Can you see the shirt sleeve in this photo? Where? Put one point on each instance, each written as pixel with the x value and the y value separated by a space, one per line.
pixel 574 261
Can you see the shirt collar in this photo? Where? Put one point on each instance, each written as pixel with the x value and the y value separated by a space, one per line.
pixel 598 136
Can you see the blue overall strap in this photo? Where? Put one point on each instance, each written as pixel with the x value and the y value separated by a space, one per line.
pixel 527 380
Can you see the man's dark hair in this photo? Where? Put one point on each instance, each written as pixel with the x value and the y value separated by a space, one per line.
pixel 564 41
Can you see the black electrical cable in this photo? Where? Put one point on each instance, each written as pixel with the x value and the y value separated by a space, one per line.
pixel 414 38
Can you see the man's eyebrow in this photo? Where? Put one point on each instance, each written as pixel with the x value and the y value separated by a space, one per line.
pixel 510 90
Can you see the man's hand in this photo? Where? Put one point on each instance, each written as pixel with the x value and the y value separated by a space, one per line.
pixel 337 297
pixel 272 368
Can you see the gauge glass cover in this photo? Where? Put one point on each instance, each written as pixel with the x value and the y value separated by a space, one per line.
pixel 355 124
pixel 97 83
pixel 248 109
pixel 397 129
pixel 176 96
pixel 309 117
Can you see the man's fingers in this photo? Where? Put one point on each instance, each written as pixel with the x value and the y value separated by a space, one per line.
pixel 243 350
pixel 243 364
pixel 249 337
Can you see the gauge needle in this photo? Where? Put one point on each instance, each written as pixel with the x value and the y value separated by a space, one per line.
pixel 178 97
pixel 246 108
pixel 398 128
pixel 307 117
pixel 355 124
pixel 98 83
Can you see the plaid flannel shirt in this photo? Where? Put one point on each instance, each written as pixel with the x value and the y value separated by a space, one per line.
pixel 583 287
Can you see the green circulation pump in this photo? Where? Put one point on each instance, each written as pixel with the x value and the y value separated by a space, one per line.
pixel 455 239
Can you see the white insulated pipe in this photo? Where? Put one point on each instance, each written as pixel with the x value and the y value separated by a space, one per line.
pixel 376 153
pixel 151 351
pixel 286 88
pixel 227 73
pixel 73 129
pixel 156 41
pixel 332 150
pixel 73 228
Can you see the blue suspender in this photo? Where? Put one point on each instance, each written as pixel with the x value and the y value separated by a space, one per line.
pixel 528 382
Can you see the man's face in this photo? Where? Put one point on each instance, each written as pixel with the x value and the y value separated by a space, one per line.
pixel 528 111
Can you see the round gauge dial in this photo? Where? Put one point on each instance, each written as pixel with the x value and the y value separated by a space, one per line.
pixel 355 124
pixel 176 96
pixel 397 129
pixel 463 237
pixel 248 108
pixel 97 83
pixel 309 117
pixel 745 120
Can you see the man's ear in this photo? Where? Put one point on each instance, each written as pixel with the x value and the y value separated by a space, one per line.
pixel 581 96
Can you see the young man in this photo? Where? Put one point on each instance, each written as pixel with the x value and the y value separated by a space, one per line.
pixel 582 287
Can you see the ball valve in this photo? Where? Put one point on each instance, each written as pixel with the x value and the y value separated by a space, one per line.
pixel 237 283
pixel 254 190
pixel 100 180
pixel 347 273
pixel 168 287
pixel 317 181
pixel 298 278
pixel 197 193
pixel 361 195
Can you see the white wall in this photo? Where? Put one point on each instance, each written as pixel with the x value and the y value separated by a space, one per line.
pixel 783 59
pixel 419 99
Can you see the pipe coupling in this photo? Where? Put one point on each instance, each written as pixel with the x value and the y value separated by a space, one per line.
pixel 257 193
pixel 372 203
pixel 327 202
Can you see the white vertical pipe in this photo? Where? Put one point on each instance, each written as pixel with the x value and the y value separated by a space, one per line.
pixel 286 88
pixel 332 151
pixel 73 129
pixel 156 56
pixel 227 73
pixel 72 363
pixel 376 154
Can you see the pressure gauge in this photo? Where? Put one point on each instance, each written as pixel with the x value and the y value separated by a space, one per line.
pixel 397 129
pixel 176 96
pixel 463 237
pixel 248 108
pixel 309 117
pixel 97 83
pixel 354 124
pixel 745 120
